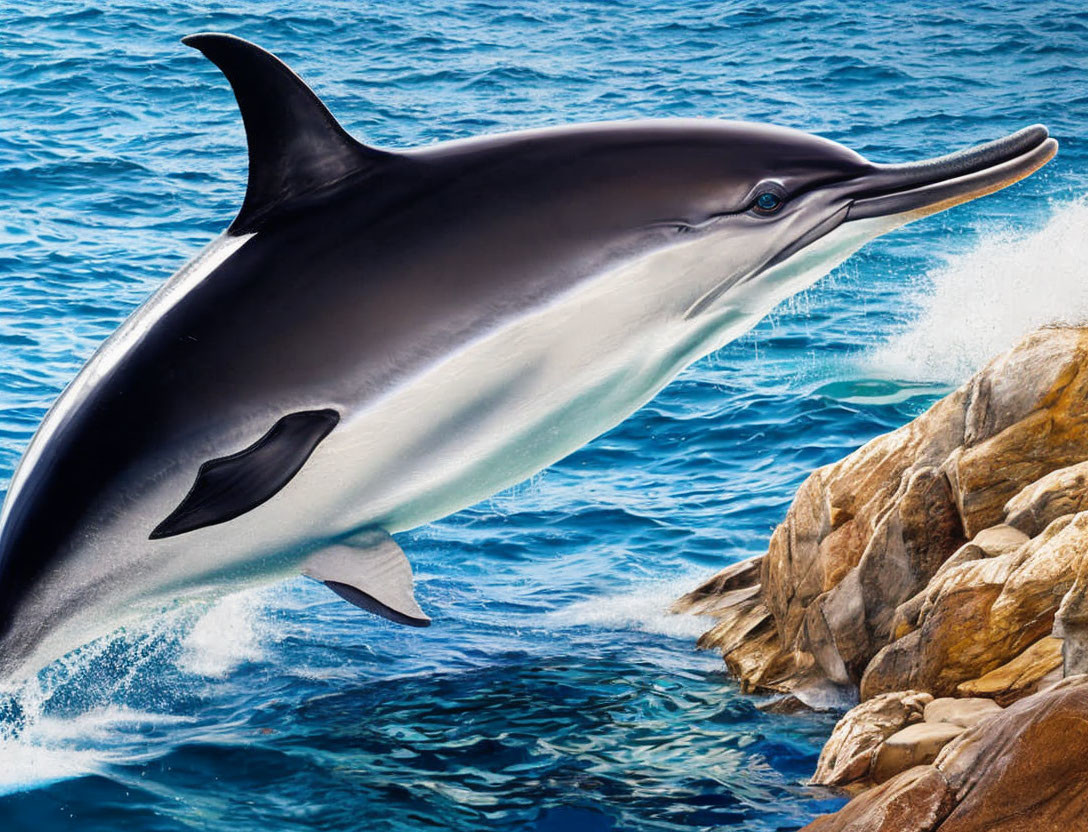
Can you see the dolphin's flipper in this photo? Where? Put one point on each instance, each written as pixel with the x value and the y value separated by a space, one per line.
pixel 373 574
pixel 296 147
pixel 232 485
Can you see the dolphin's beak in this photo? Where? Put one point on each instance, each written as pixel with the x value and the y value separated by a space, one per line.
pixel 921 188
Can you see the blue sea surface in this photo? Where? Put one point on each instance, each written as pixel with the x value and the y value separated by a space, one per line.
pixel 552 692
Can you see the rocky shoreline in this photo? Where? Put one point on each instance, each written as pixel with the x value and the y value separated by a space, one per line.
pixel 938 576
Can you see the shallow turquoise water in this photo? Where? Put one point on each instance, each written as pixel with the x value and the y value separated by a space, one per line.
pixel 551 693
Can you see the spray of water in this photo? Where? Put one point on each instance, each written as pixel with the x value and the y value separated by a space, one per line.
pixel 980 303
pixel 642 608
pixel 42 741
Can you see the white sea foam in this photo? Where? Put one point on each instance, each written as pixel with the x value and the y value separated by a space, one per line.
pixel 229 633
pixel 644 608
pixel 38 747
pixel 980 303
pixel 48 749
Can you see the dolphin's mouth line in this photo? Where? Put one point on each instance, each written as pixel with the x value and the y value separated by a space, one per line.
pixel 914 190
pixel 921 188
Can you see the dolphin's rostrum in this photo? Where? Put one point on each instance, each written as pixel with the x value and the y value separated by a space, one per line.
pixel 384 337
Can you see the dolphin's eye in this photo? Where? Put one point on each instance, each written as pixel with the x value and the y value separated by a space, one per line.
pixel 767 202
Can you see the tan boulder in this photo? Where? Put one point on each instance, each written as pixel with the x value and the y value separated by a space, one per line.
pixel 963 712
pixel 847 756
pixel 915 745
pixel 1000 540
pixel 983 614
pixel 1020 677
pixel 1021 770
pixel 1060 492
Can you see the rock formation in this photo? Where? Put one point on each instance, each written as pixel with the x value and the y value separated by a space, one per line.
pixel 1021 770
pixel 847 758
pixel 940 575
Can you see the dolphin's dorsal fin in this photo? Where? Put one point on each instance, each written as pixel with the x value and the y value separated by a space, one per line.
pixel 296 147
pixel 371 572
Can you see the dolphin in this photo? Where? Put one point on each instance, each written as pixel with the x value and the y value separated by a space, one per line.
pixel 381 338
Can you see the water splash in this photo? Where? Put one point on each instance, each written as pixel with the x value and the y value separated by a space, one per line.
pixel 642 609
pixel 980 303
pixel 52 748
pixel 74 719
pixel 227 635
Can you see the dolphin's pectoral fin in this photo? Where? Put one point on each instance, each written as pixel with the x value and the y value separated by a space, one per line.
pixel 373 574
pixel 230 486
pixel 296 147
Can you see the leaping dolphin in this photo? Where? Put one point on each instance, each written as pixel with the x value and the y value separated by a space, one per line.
pixel 381 338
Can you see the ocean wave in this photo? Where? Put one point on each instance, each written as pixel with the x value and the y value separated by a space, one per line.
pixel 72 719
pixel 979 303
pixel 642 608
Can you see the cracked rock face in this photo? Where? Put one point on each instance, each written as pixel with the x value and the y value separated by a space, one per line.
pixel 940 575
pixel 934 555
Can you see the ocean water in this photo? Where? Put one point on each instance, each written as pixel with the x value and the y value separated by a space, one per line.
pixel 552 691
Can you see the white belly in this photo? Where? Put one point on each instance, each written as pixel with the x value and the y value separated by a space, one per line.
pixel 527 395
